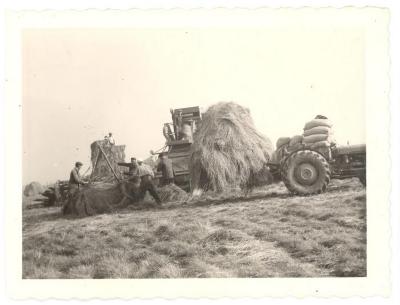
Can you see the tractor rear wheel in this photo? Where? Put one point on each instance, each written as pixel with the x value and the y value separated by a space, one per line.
pixel 306 172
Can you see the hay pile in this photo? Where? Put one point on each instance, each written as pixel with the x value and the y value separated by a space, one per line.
pixel 100 198
pixel 33 189
pixel 97 199
pixel 228 151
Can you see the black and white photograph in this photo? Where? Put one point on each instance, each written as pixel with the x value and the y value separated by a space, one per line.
pixel 185 150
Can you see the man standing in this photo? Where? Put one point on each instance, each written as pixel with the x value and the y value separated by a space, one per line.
pixel 130 190
pixel 75 180
pixel 146 175
pixel 145 169
pixel 166 168
pixel 146 179
pixel 111 140
pixel 132 166
pixel 147 184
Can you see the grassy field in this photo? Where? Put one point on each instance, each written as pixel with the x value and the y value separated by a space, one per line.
pixel 266 234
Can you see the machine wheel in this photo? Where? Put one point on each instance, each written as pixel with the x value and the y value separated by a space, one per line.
pixel 306 172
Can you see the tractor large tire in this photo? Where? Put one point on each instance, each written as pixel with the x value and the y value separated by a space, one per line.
pixel 306 172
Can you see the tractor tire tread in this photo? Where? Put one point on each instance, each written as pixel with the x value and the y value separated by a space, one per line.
pixel 304 153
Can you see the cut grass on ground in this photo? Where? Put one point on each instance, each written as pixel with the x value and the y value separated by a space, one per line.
pixel 267 234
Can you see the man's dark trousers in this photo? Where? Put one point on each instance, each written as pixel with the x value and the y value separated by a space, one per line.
pixel 147 184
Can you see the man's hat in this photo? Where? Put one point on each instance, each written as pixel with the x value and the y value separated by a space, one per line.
pixel 78 164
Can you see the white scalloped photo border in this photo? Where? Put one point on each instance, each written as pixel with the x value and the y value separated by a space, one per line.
pixel 373 21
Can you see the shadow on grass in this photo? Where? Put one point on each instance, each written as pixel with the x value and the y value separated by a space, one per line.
pixel 201 202
pixel 46 216
pixel 217 201
pixel 38 205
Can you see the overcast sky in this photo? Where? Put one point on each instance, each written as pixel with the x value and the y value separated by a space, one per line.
pixel 79 84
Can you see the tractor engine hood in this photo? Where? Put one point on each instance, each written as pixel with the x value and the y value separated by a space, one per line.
pixel 350 149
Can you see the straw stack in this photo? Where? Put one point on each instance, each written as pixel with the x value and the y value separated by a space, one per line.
pixel 228 151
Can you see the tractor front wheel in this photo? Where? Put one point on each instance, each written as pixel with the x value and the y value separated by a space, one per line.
pixel 306 172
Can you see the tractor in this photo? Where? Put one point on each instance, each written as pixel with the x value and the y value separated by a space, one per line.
pixel 303 170
pixel 307 171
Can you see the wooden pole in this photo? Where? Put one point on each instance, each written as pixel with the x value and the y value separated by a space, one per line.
pixel 108 162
